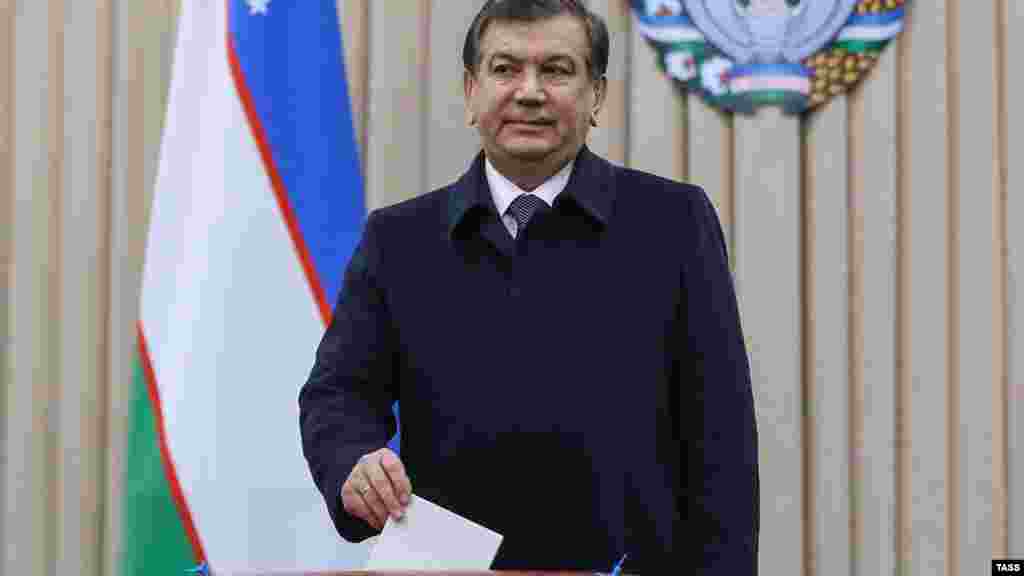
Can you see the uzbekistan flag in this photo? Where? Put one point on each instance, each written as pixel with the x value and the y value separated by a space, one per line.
pixel 786 84
pixel 257 208
pixel 872 30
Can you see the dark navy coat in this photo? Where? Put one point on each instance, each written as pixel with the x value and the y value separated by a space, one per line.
pixel 584 389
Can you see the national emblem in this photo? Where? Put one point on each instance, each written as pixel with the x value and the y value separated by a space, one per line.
pixel 740 54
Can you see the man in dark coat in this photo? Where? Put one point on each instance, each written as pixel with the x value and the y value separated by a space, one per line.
pixel 561 333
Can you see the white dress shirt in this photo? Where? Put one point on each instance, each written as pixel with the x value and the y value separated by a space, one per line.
pixel 504 191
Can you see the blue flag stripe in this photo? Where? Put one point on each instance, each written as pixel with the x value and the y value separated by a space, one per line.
pixel 290 62
pixel 876 18
pixel 290 59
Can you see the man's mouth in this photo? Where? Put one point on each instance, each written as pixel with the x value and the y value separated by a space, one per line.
pixel 538 123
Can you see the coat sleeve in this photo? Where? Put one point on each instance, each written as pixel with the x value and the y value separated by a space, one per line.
pixel 345 406
pixel 722 489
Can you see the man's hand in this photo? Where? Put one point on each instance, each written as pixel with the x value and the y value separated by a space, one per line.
pixel 377 487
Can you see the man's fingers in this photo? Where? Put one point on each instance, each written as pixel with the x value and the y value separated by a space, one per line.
pixel 376 488
pixel 356 505
pixel 376 508
pixel 396 473
pixel 381 483
pixel 368 489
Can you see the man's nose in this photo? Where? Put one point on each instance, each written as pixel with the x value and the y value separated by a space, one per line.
pixel 531 89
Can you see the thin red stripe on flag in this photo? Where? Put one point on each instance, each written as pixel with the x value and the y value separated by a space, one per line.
pixel 276 182
pixel 165 452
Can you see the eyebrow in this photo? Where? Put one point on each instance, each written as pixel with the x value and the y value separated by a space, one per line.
pixel 517 59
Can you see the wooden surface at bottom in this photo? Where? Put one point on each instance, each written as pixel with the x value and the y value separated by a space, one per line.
pixel 416 573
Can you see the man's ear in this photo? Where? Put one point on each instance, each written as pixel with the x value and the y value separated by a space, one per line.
pixel 469 87
pixel 600 92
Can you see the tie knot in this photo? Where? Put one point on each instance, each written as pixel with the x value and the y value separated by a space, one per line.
pixel 524 207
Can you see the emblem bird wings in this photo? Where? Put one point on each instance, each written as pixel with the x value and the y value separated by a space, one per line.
pixel 767 31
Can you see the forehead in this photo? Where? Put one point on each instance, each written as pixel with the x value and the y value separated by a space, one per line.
pixel 562 35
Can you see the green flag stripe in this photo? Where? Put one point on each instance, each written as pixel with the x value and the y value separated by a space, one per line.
pixel 158 536
pixel 861 46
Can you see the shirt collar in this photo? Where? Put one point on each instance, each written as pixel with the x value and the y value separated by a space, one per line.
pixel 504 191
pixel 591 186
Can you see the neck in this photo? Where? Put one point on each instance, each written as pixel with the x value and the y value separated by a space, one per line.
pixel 528 175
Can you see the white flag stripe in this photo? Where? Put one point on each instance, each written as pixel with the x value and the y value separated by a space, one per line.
pixel 231 325
pixel 871 33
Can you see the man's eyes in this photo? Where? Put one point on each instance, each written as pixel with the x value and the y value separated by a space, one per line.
pixel 548 70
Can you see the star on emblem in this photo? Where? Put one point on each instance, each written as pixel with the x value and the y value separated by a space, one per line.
pixel 258 6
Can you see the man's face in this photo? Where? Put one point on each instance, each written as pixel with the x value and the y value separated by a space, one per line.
pixel 532 97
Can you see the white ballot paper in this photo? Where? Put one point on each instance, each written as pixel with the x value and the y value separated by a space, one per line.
pixel 428 537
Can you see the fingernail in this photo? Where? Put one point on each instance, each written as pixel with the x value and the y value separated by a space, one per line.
pixel 405 499
pixel 397 514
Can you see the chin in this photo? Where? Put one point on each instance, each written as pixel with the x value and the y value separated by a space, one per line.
pixel 529 152
pixel 530 155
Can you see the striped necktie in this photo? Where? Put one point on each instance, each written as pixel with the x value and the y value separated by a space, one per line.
pixel 523 208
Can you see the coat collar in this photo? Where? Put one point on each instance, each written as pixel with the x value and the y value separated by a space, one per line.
pixel 591 186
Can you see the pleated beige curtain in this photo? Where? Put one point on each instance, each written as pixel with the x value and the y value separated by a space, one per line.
pixel 876 249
